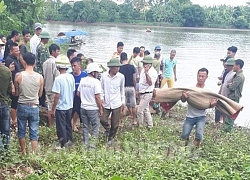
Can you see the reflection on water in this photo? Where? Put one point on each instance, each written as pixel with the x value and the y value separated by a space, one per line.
pixel 196 48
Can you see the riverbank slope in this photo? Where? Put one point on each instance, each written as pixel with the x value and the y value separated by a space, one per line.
pixel 137 154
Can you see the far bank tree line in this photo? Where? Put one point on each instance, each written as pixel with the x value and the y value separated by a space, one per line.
pixel 19 15
pixel 158 12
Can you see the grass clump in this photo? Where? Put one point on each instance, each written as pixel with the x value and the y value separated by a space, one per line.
pixel 137 154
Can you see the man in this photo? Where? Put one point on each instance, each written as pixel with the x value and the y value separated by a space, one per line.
pixel 195 117
pixel 35 40
pixel 71 53
pixel 227 77
pixel 42 53
pixel 224 72
pixel 129 73
pixel 114 98
pixel 2 44
pixel 15 37
pixel 142 50
pixel 161 59
pixel 91 104
pixel 135 60
pixel 28 86
pixel 83 60
pixel 5 91
pixel 156 64
pixel 147 81
pixel 41 56
pixel 231 51
pixel 50 72
pixel 78 75
pixel 117 54
pixel 64 88
pixel 146 53
pixel 23 45
pixel 13 60
pixel 3 38
pixel 235 90
pixel 169 70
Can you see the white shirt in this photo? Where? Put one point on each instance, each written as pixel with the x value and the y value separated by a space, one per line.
pixel 113 90
pixel 34 41
pixel 88 88
pixel 143 85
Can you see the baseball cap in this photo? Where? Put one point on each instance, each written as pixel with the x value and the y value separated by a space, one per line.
pixel 38 25
pixel 157 47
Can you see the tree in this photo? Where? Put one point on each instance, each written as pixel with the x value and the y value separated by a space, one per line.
pixel 194 16
pixel 241 22
pixel 65 9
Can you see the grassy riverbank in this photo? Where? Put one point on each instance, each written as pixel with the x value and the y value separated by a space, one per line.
pixel 137 154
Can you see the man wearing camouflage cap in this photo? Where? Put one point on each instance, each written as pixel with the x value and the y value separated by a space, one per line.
pixel 35 40
pixel 42 55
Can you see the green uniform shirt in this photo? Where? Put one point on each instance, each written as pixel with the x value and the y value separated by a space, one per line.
pixel 42 55
pixel 156 64
pixel 235 89
pixel 5 84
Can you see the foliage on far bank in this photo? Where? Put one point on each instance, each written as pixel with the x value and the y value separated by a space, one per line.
pixel 169 12
pixel 19 15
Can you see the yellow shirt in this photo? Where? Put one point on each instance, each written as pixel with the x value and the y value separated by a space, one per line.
pixel 136 62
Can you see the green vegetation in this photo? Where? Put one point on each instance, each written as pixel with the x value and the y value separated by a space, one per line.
pixel 19 15
pixel 138 154
pixel 167 12
pixel 16 14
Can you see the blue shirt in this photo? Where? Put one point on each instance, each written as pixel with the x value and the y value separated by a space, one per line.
pixel 64 85
pixel 78 79
pixel 169 65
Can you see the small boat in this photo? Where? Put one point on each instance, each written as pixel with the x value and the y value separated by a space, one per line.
pixel 71 38
pixel 148 30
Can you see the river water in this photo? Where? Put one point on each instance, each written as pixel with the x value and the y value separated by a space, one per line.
pixel 196 48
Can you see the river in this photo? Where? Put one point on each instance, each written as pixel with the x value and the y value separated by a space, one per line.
pixel 196 48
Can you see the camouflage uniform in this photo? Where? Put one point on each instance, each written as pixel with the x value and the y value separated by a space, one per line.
pixel 42 55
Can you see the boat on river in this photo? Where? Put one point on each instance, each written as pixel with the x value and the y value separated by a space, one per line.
pixel 71 38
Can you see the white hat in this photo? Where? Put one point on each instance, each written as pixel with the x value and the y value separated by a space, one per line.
pixel 93 67
pixel 38 25
pixel 62 61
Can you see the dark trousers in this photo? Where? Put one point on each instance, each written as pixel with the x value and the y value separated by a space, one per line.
pixel 77 107
pixel 115 120
pixel 217 115
pixel 4 126
pixel 42 99
pixel 63 126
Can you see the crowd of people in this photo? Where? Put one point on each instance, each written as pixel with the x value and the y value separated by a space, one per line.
pixel 42 77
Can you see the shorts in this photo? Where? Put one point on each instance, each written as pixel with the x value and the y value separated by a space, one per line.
pixel 14 101
pixel 189 124
pixel 76 106
pixel 50 101
pixel 130 96
pixel 28 114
